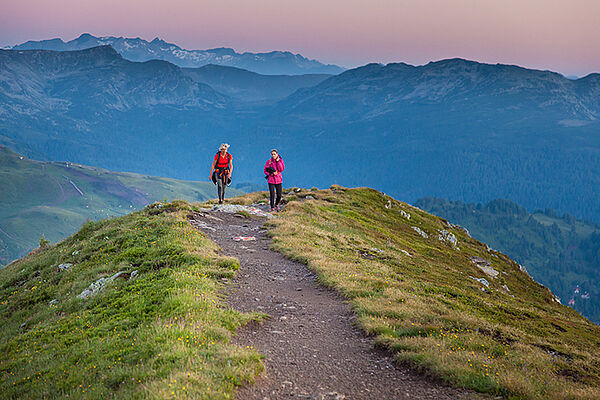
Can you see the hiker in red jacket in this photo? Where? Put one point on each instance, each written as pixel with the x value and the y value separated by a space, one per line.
pixel 220 172
pixel 273 169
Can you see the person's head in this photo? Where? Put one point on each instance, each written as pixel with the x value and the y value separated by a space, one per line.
pixel 274 154
pixel 223 147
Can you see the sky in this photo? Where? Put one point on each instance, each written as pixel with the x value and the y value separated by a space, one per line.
pixel 558 35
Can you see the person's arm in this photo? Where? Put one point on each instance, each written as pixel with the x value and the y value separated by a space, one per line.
pixel 212 168
pixel 280 165
pixel 265 168
pixel 230 166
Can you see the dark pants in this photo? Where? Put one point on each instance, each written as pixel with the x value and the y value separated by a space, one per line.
pixel 221 188
pixel 272 188
pixel 221 184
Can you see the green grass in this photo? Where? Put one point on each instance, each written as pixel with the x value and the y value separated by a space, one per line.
pixel 164 334
pixel 427 309
pixel 39 198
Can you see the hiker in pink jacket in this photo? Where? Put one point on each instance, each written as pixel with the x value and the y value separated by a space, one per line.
pixel 273 169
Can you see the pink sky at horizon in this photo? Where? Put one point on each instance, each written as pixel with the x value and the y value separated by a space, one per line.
pixel 558 35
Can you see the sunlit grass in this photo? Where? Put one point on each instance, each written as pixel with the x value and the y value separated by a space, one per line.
pixel 164 334
pixel 418 298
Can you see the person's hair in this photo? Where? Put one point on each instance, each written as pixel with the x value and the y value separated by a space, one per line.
pixel 275 150
pixel 223 146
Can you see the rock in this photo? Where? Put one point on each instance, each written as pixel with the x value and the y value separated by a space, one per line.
pixel 134 274
pixel 101 283
pixel 406 252
pixel 75 253
pixel 523 269
pixel 309 197
pixel 448 237
pixel 456 226
pixel 366 255
pixel 53 302
pixel 485 266
pixel 420 232
pixel 505 288
pixel 405 214
pixel 236 208
pixel 483 281
pixel 556 299
pixel 389 204
pixel 64 267
pixel 23 325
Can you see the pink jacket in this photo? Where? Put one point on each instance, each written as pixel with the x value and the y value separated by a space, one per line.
pixel 279 167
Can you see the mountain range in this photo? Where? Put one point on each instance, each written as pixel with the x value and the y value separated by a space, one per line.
pixel 136 49
pixel 452 128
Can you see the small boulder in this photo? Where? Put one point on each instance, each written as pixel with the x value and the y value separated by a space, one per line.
pixel 448 237
pixel 64 267
pixel 483 281
pixel 420 231
pixel 101 283
pixel 485 266
pixel 405 214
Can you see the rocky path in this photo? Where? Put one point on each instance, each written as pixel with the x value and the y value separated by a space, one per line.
pixel 313 349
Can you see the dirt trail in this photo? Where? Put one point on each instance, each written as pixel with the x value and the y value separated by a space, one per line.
pixel 313 349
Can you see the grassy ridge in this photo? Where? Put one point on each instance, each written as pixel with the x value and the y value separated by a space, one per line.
pixel 163 334
pixel 53 199
pixel 419 297
pixel 562 253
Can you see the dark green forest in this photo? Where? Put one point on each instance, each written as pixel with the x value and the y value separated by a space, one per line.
pixel 559 251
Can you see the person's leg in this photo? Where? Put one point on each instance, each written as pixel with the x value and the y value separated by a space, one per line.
pixel 221 189
pixel 224 186
pixel 272 195
pixel 279 190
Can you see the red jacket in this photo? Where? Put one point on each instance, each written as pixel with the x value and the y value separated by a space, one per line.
pixel 279 166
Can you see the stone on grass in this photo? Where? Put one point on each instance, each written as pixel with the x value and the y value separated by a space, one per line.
pixel 405 214
pixel 420 232
pixel 101 283
pixel 64 267
pixel 483 281
pixel 485 266
pixel 448 237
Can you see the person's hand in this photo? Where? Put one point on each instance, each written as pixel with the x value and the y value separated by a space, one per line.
pixel 229 175
pixel 275 173
pixel 210 177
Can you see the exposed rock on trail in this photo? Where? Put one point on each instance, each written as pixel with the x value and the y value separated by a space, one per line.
pixel 313 349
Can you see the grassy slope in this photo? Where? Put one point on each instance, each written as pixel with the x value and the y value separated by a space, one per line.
pixel 559 252
pixel 162 335
pixel 37 198
pixel 428 310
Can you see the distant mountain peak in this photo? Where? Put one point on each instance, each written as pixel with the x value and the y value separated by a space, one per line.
pixel 138 49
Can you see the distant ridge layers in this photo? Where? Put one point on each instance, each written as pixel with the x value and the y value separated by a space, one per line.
pixel 51 200
pixel 136 49
pixel 453 128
